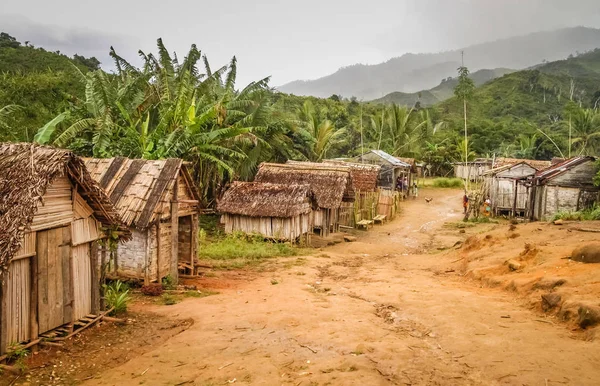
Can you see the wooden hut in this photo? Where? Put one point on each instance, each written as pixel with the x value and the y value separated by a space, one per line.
pixel 52 214
pixel 565 187
pixel 330 184
pixel 502 186
pixel 159 203
pixel 278 212
pixel 472 170
pixel 391 168
pixel 364 176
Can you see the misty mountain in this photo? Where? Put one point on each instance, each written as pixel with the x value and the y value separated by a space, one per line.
pixel 410 73
pixel 441 92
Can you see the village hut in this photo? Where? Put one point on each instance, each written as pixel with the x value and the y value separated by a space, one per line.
pixel 502 186
pixel 472 170
pixel 330 184
pixel 158 201
pixel 275 211
pixel 364 176
pixel 565 187
pixel 391 168
pixel 52 213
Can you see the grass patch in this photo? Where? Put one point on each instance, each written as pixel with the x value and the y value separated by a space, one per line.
pixel 443 182
pixel 239 250
pixel 584 215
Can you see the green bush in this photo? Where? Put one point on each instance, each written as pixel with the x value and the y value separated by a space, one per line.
pixel 169 300
pixel 116 295
pixel 584 215
pixel 444 182
pixel 168 283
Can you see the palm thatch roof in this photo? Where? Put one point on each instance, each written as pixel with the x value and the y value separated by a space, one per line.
pixel 410 161
pixel 364 176
pixel 26 171
pixel 141 190
pixel 258 199
pixel 330 184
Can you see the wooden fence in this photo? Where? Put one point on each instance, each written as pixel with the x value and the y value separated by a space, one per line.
pixel 367 205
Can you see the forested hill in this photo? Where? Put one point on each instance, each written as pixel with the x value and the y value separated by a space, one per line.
pixel 441 92
pixel 413 72
pixel 43 83
pixel 538 95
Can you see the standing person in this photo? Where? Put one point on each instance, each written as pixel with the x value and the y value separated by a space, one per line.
pixel 465 203
pixel 488 207
pixel 399 184
pixel 415 190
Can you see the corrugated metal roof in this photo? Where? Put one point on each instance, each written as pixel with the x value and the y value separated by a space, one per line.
pixel 391 159
pixel 561 167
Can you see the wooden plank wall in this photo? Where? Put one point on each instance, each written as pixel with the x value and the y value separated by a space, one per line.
pixel 57 207
pixel 84 231
pixel 55 298
pixel 82 280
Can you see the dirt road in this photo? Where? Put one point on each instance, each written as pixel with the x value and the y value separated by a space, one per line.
pixel 375 312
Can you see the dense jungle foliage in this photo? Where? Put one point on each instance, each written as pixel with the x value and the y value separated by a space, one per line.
pixel 189 109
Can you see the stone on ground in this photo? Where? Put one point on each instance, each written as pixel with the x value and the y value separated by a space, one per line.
pixel 587 254
pixel 550 300
pixel 350 239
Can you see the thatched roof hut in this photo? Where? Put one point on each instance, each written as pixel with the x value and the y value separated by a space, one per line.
pixel 329 183
pixel 51 217
pixel 257 199
pixel 364 176
pixel 281 212
pixel 26 172
pixel 157 199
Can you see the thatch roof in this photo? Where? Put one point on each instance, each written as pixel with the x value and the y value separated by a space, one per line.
pixel 536 164
pixel 329 183
pixel 257 199
pixel 141 190
pixel 364 176
pixel 26 170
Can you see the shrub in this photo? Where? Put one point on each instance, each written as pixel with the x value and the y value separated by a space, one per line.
pixel 585 215
pixel 116 295
pixel 169 300
pixel 168 282
pixel 152 289
pixel 444 182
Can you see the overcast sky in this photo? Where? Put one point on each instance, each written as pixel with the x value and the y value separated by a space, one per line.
pixel 287 40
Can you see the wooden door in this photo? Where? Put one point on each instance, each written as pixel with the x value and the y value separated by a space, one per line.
pixel 82 281
pixel 55 299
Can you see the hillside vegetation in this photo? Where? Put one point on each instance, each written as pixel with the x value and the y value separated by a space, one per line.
pixel 189 110
pixel 410 73
pixel 441 92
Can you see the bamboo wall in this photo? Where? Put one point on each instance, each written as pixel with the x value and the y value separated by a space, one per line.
pixel 291 228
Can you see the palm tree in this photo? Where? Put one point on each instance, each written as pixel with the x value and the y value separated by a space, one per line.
pixel 586 131
pixel 320 133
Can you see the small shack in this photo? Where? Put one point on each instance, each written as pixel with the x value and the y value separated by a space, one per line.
pixel 502 186
pixel 565 187
pixel 52 215
pixel 330 185
pixel 275 211
pixel 158 201
pixel 472 170
pixel 391 167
